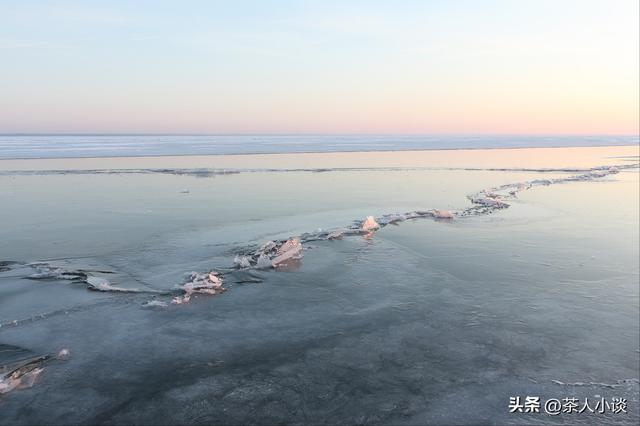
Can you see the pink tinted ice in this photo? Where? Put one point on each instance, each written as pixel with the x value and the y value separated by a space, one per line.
pixel 370 224
pixel 442 214
pixel 290 250
pixel 209 283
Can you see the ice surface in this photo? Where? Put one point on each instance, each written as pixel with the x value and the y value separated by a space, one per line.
pixel 352 335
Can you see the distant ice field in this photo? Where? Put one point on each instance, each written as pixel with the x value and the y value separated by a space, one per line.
pixel 75 146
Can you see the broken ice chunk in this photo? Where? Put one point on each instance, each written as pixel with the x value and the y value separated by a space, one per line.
pixel 491 202
pixel 545 182
pixel 46 271
pixel 26 380
pixel 178 300
pixel 102 284
pixel 215 281
pixel 292 244
pixel 64 354
pixel 209 283
pixel 415 214
pixel 266 247
pixel 23 375
pixel 370 224
pixel 442 214
pixel 6 265
pixel 334 235
pixel 392 218
pixel 290 250
pixel 263 262
pixel 241 262
pixel 154 304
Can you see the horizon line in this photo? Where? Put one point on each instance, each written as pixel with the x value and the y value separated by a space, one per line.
pixel 316 134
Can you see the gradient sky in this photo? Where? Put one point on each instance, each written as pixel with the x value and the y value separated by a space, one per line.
pixel 528 67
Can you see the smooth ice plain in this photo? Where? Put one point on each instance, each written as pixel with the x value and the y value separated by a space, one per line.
pixel 432 319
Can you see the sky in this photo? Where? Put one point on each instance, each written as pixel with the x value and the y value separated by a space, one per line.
pixel 433 67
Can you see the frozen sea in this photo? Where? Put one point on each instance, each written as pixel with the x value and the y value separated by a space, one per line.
pixel 88 145
pixel 423 322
